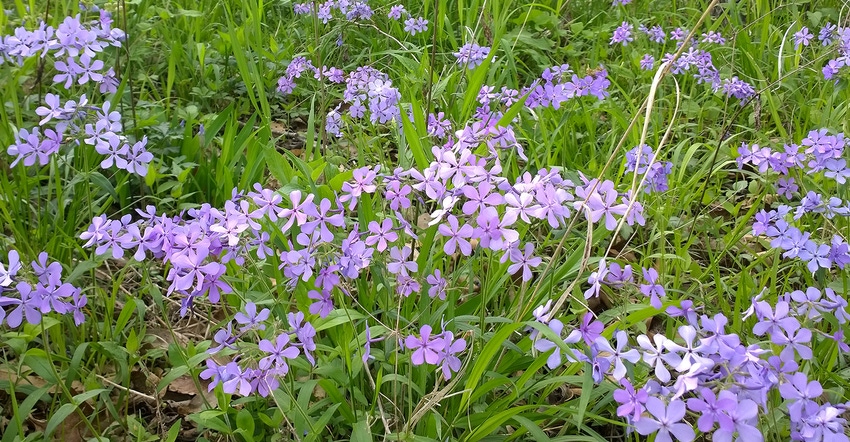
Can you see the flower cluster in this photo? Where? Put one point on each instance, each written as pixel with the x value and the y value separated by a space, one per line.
pixel 76 41
pixel 711 372
pixel 823 154
pixel 367 90
pixel 694 59
pixel 237 377
pixel 557 85
pixel 828 35
pixel 471 55
pixel 640 160
pixel 37 293
pixel 351 10
pixel 440 350
pixel 75 121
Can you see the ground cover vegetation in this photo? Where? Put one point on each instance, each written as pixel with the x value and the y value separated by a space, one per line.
pixel 438 220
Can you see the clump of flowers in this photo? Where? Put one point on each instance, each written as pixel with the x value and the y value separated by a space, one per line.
pixel 471 55
pixel 74 120
pixel 35 291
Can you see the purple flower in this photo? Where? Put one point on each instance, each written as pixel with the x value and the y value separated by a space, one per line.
pixel 367 345
pixel 827 34
pixel 631 401
pixel 305 333
pixel 321 218
pixel 665 421
pixel 471 55
pixel 713 409
pixel 415 25
pixel 449 348
pixel 802 37
pixel 278 353
pixel 794 340
pixel 595 280
pixel 29 306
pixel 544 345
pixel 623 34
pixel 686 310
pixel 250 319
pixel 424 348
pixel 523 261
pixel 647 63
pixel 589 328
pixel 6 274
pixel 399 263
pixel 743 419
pixel 619 354
pixel 396 11
pixel 713 37
pixel 654 355
pixel 323 305
pixel 224 338
pixel 802 395
pixel 438 285
pixel 457 236
pixel 652 288
pixel 786 187
pixel 299 210
pixel 381 234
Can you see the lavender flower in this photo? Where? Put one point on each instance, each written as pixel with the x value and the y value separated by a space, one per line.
pixel 622 35
pixel 415 25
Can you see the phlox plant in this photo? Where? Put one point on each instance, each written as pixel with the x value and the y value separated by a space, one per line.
pixel 458 235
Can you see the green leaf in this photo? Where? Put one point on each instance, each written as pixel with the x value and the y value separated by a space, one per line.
pixel 245 422
pixel 361 432
pixel 485 357
pixel 337 317
pixel 174 431
pixel 210 419
pixel 58 417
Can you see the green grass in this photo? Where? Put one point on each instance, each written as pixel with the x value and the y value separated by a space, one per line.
pixel 216 64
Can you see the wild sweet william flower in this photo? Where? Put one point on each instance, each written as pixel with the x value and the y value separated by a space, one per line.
pixel 425 349
pixel 471 55
pixel 250 319
pixel 665 421
pixel 398 264
pixel 647 63
pixel 802 37
pixel 323 305
pixel 9 270
pixel 623 34
pixel 438 285
pixel 617 355
pixel 801 393
pixel 278 353
pixel 713 37
pixel 773 321
pixel 713 408
pixel 396 11
pixel 29 306
pixel 544 345
pixel 524 261
pixel 652 288
pixel 367 345
pixel 447 358
pixel 321 218
pixel 457 236
pixel 415 25
pixel 653 355
pixel 631 401
pixel 53 109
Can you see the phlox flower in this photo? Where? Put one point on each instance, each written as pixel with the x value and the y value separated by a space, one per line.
pixel 665 421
